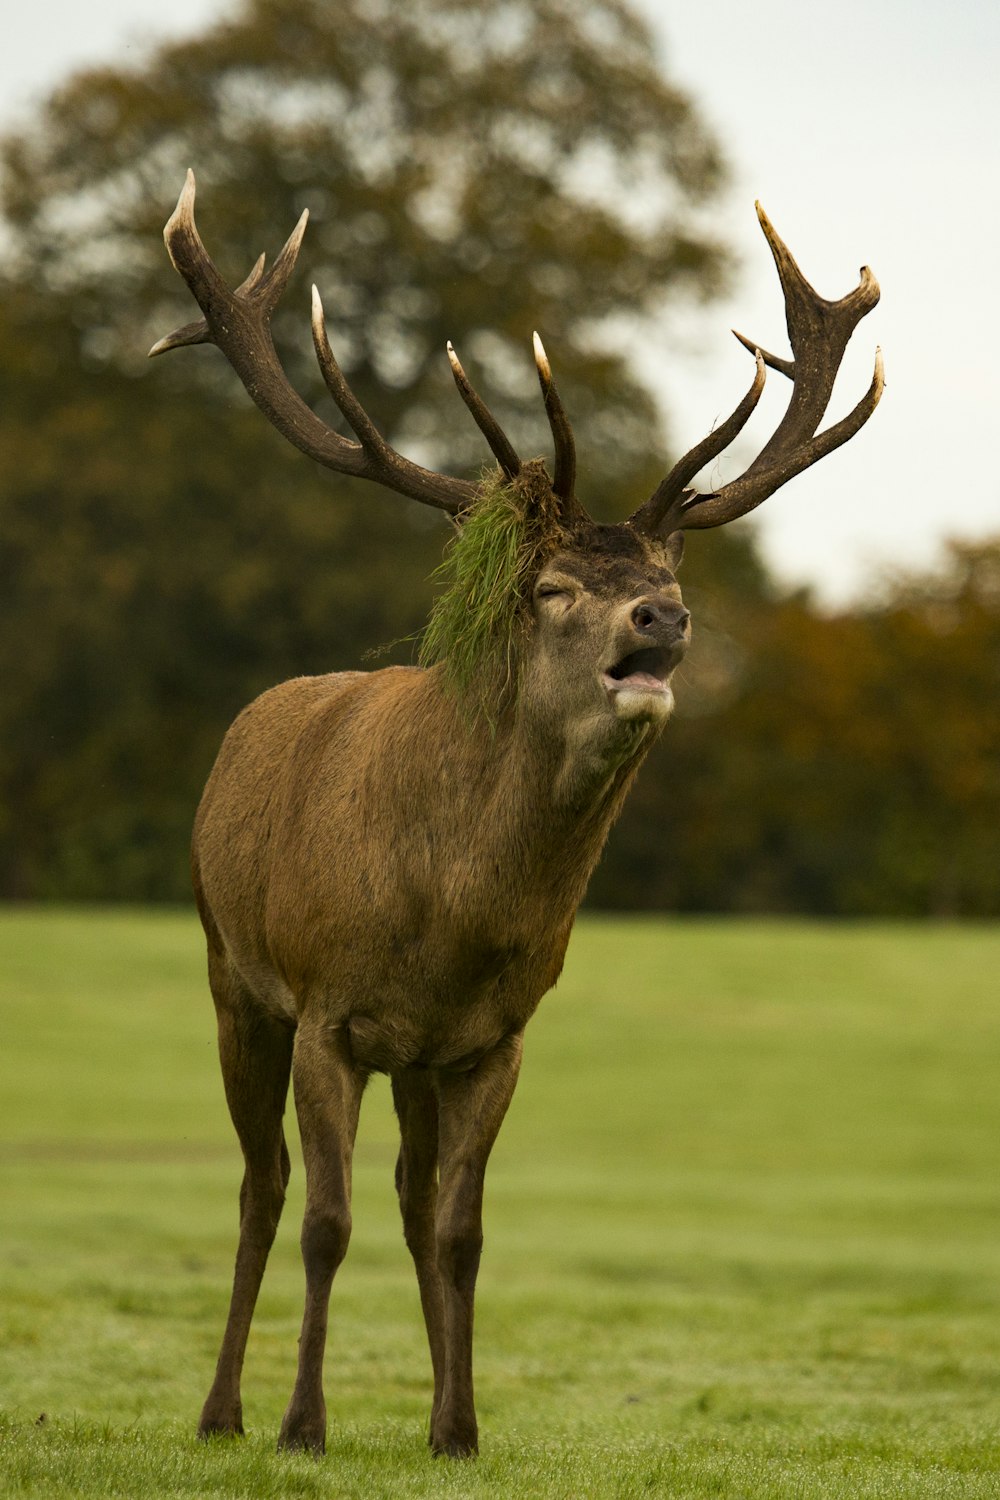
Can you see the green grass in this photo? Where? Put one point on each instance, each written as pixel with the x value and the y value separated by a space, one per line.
pixel 480 615
pixel 741 1234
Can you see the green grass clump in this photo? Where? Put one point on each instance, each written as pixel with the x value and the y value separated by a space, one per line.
pixel 741 1229
pixel 480 619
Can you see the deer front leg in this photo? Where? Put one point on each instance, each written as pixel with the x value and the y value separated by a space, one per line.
pixel 256 1055
pixel 471 1109
pixel 328 1088
pixel 416 1183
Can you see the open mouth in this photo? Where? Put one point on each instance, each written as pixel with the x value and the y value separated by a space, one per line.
pixel 643 671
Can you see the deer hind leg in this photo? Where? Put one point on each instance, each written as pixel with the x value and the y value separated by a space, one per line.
pixel 256 1054
pixel 416 1183
pixel 328 1088
pixel 472 1107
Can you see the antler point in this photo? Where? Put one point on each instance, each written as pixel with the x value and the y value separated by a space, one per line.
pixel 189 333
pixel 541 358
pixel 186 198
pixel 869 283
pixel 182 217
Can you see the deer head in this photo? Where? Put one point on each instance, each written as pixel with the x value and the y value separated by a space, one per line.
pixel 536 592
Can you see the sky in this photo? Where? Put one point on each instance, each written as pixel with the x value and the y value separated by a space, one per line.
pixel 869 132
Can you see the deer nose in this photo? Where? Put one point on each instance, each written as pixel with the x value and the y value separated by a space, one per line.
pixel 651 616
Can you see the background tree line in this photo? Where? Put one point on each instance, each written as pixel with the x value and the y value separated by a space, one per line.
pixel 471 172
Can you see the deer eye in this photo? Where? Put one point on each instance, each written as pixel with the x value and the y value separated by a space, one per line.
pixel 559 596
pixel 556 588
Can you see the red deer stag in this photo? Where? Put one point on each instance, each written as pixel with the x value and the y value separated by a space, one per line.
pixel 387 864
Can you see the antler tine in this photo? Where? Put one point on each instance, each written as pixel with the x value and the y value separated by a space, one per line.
pixel 773 361
pixel 268 289
pixel 668 498
pixel 501 447
pixel 819 331
pixel 188 333
pixel 745 494
pixel 238 322
pixel 358 419
pixel 562 432
pixel 185 248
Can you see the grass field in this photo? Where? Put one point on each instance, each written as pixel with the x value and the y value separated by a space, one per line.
pixel 741 1239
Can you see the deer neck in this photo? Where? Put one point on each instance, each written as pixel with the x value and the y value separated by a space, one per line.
pixel 546 791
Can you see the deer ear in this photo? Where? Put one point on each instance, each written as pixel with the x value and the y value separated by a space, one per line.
pixel 674 548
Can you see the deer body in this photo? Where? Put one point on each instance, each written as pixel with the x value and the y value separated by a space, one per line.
pixel 393 885
pixel 388 864
pixel 334 864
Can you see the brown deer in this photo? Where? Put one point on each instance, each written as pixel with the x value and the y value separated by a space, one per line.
pixel 388 864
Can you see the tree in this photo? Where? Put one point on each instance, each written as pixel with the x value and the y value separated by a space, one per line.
pixel 468 170
pixel 472 171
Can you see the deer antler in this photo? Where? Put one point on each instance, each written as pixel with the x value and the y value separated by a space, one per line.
pixel 501 447
pixel 818 331
pixel 562 432
pixel 239 323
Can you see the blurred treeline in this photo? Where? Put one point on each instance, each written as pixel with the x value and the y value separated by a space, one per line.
pixel 472 171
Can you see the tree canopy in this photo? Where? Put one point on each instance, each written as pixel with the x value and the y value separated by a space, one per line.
pixel 472 171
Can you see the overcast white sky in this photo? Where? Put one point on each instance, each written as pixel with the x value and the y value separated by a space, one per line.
pixel 869 129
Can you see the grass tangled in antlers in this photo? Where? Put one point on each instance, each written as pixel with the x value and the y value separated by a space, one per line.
pixel 481 617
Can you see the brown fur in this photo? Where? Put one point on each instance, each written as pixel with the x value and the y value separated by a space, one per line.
pixel 388 885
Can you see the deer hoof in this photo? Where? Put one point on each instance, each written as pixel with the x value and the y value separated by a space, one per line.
pixel 455 1444
pixel 302 1437
pixel 220 1424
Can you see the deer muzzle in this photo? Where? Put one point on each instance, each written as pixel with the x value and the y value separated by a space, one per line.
pixel 637 678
